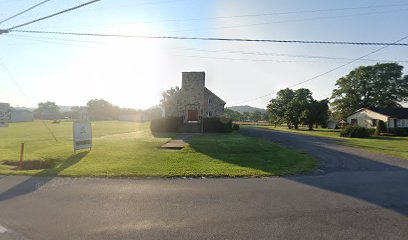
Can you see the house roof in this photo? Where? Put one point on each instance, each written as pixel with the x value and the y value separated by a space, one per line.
pixel 400 113
pixel 392 112
pixel 206 89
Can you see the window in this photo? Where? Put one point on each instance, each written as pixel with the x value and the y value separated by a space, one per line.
pixel 374 122
pixel 209 101
pixel 354 121
pixel 210 114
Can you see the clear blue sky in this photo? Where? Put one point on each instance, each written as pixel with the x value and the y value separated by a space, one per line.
pixel 132 73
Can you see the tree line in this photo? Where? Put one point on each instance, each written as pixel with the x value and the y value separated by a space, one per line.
pixel 98 110
pixel 381 85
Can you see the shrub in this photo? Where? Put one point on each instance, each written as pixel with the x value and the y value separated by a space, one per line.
pixel 235 127
pixel 168 124
pixel 217 125
pixel 354 131
pixel 398 131
pixel 380 128
pixel 371 131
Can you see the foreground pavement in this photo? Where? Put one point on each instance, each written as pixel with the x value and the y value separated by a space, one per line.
pixel 353 195
pixel 344 205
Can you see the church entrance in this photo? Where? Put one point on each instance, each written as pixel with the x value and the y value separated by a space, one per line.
pixel 192 115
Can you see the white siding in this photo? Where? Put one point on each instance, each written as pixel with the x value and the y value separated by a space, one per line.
pixel 365 118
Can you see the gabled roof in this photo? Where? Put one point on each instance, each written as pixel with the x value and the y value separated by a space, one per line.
pixel 400 113
pixel 211 93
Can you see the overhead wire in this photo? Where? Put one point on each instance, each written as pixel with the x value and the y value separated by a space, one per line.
pixel 326 72
pixel 53 15
pixel 24 11
pixel 211 38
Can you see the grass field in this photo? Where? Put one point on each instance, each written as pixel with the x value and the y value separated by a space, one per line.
pixel 394 146
pixel 129 149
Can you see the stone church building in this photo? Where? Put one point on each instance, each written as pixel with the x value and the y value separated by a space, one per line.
pixel 194 101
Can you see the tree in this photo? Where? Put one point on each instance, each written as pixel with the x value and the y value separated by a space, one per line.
pixel 168 97
pixel 277 106
pixel 256 116
pixel 297 106
pixel 100 109
pixel 379 85
pixel 47 110
pixel 233 115
pixel 316 113
pixel 246 116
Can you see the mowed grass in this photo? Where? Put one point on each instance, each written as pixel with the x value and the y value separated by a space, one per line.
pixel 130 149
pixel 389 145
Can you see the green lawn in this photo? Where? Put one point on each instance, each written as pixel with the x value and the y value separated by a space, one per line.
pixel 129 149
pixel 394 146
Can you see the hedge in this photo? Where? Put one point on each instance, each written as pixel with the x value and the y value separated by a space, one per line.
pixel 398 131
pixel 168 124
pixel 217 125
pixel 354 131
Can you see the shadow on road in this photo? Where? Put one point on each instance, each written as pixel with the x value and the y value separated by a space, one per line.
pixel 34 182
pixel 375 178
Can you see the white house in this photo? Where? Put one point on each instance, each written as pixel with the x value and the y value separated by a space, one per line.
pixel 21 116
pixel 368 117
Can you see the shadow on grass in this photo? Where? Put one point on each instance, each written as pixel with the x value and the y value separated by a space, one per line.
pixel 34 182
pixel 253 153
pixel 374 178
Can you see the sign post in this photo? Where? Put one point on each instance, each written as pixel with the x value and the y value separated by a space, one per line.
pixel 82 132
pixel 4 114
pixel 82 135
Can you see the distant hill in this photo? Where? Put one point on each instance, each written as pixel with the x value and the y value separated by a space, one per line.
pixel 246 108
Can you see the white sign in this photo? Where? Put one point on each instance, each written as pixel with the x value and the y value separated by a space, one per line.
pixel 4 114
pixel 82 135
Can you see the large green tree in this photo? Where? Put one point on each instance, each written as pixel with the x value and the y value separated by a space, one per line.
pixel 100 109
pixel 277 106
pixel 379 85
pixel 169 97
pixel 295 107
pixel 316 113
pixel 47 110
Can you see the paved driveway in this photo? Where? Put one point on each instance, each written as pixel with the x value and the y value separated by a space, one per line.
pixel 332 156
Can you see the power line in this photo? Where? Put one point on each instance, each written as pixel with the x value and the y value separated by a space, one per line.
pixel 24 11
pixel 15 82
pixel 53 15
pixel 283 55
pixel 285 21
pixel 324 73
pixel 265 14
pixel 213 39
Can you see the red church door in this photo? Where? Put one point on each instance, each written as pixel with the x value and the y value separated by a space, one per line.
pixel 193 115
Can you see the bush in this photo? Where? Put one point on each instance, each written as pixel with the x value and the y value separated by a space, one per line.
pixel 398 131
pixel 371 131
pixel 354 131
pixel 168 124
pixel 217 125
pixel 235 127
pixel 380 128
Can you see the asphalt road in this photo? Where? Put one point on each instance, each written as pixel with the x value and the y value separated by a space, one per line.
pixel 332 156
pixel 347 201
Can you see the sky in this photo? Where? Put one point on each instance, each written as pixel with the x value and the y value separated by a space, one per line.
pixel 132 73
